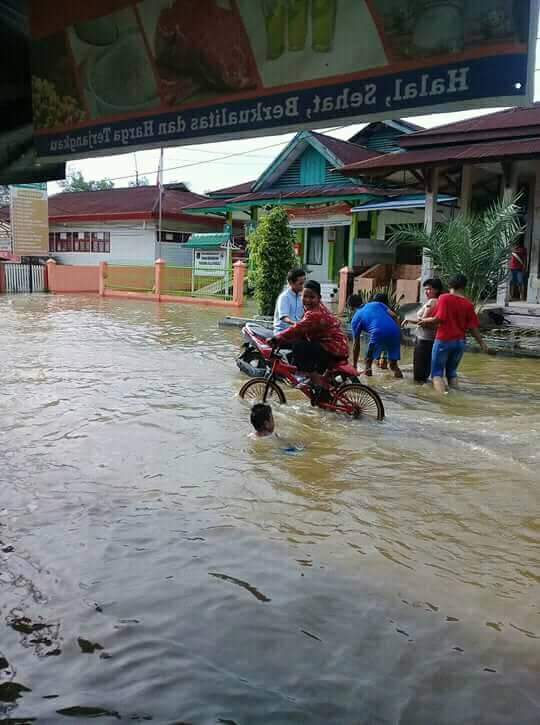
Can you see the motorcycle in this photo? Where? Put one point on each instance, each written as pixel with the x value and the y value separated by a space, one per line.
pixel 251 361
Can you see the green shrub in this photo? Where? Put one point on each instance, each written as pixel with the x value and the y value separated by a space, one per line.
pixel 271 255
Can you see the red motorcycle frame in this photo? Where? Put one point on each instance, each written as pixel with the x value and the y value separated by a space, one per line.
pixel 342 393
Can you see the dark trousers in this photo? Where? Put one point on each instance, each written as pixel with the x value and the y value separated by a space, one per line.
pixel 422 360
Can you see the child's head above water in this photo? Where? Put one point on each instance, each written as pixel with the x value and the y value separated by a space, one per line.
pixel 262 419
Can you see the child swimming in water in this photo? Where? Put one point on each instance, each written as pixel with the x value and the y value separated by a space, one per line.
pixel 262 419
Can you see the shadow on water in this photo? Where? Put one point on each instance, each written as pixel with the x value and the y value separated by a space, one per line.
pixel 156 565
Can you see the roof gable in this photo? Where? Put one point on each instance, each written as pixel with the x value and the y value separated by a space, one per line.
pixel 331 152
pixel 384 136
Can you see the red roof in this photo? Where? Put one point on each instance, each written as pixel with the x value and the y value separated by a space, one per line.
pixel 242 188
pixel 306 192
pixel 140 202
pixel 492 151
pixel 345 151
pixel 509 123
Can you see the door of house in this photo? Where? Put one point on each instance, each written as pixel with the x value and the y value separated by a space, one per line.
pixel 316 256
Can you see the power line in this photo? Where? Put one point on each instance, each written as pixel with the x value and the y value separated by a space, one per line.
pixel 211 161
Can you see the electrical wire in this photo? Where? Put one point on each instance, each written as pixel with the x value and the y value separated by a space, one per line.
pixel 211 161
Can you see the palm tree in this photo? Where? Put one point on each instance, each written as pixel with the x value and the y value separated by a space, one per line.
pixel 476 245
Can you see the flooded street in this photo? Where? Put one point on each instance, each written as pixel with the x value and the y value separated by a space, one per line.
pixel 157 565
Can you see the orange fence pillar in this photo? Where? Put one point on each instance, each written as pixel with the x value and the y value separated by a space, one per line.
pixel 345 274
pixel 102 278
pixel 239 275
pixel 159 266
pixel 51 276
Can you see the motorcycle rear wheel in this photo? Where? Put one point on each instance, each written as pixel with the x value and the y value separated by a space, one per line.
pixel 262 391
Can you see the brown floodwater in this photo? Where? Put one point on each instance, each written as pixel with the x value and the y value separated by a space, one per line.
pixel 158 565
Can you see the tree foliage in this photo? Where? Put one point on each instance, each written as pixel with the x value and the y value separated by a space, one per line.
pixel 271 253
pixel 476 245
pixel 140 181
pixel 75 181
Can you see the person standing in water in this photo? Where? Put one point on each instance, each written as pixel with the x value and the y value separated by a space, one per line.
pixel 518 270
pixel 378 320
pixel 425 336
pixel 289 306
pixel 454 316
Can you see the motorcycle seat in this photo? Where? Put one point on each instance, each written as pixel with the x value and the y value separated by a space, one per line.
pixel 260 331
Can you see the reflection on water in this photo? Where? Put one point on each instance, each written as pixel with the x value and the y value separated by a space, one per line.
pixel 157 565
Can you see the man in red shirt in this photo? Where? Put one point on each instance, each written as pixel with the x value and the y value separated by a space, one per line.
pixel 454 316
pixel 518 267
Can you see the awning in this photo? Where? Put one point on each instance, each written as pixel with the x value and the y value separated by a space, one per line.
pixel 397 204
pixel 207 241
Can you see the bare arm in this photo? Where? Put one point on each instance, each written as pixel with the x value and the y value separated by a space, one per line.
pixel 479 339
pixel 429 322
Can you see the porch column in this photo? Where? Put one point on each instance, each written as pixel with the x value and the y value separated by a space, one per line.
pixel 299 244
pixel 509 190
pixel 466 189
pixel 331 259
pixel 533 291
pixel 353 231
pixel 432 192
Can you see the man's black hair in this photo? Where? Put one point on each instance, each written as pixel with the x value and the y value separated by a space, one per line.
pixel 381 297
pixel 313 286
pixel 295 274
pixel 260 413
pixel 458 281
pixel 435 283
pixel 355 301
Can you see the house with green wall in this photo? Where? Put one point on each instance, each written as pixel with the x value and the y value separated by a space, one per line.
pixel 325 207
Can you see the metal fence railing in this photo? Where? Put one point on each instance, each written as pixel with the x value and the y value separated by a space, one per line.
pixel 183 281
pixel 175 281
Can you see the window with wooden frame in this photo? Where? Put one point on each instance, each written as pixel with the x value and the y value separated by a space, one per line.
pixel 101 242
pixel 173 237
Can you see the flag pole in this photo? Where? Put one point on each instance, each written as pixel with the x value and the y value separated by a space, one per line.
pixel 160 212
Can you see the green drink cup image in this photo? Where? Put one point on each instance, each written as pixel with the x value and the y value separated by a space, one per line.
pixel 323 19
pixel 297 17
pixel 275 18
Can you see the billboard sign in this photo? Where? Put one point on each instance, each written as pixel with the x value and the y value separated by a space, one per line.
pixel 114 75
pixel 29 215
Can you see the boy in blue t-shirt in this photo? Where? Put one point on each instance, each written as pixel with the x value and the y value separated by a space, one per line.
pixel 378 320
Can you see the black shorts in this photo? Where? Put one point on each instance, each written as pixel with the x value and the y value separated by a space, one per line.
pixel 422 360
pixel 311 357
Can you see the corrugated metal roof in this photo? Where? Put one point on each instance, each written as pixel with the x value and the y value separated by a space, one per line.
pixel 491 151
pixel 345 151
pixel 308 192
pixel 137 200
pixel 242 188
pixel 207 241
pixel 417 203
pixel 510 118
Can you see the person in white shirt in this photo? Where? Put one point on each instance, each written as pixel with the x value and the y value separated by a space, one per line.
pixel 289 307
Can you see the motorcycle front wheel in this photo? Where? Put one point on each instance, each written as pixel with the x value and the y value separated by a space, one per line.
pixel 262 391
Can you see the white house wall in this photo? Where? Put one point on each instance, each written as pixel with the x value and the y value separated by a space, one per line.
pixel 130 244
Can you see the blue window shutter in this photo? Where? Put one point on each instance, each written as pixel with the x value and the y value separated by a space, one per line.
pixel 312 168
